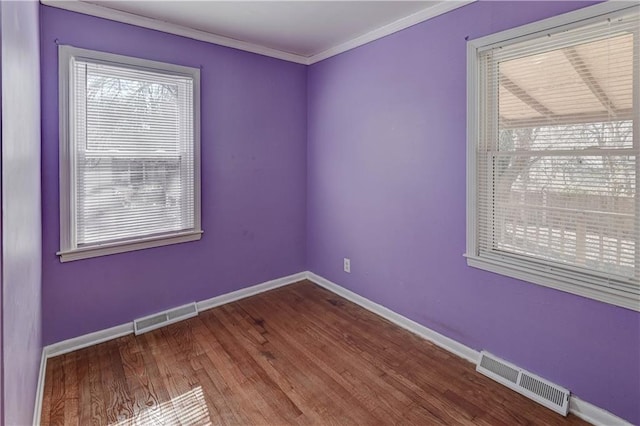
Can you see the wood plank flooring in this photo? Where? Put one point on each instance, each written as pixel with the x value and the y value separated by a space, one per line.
pixel 297 355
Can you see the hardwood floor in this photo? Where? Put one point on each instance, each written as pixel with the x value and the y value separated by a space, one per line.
pixel 295 355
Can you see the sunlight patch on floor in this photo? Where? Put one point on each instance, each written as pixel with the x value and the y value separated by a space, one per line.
pixel 190 408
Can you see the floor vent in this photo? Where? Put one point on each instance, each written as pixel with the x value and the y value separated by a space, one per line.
pixel 540 390
pixel 151 322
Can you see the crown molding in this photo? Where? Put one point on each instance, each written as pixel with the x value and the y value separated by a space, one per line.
pixel 393 27
pixel 167 27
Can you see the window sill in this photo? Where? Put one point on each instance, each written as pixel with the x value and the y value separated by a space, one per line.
pixel 554 278
pixel 123 247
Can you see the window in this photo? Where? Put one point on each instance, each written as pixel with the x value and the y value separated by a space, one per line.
pixel 129 154
pixel 553 127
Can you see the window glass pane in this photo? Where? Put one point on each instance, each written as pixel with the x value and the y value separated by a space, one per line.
pixel 134 161
pixel 555 198
pixel 575 208
pixel 557 154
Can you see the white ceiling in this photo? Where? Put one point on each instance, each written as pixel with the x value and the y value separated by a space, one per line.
pixel 291 30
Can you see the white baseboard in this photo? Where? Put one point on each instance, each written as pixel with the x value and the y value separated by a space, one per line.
pixel 250 291
pixel 101 336
pixel 87 340
pixel 586 411
pixel 37 409
pixel 404 322
pixel 593 414
pixel 580 408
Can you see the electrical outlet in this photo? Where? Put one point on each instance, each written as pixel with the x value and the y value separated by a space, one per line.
pixel 347 265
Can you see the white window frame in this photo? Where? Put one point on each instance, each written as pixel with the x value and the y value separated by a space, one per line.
pixel 69 250
pixel 542 273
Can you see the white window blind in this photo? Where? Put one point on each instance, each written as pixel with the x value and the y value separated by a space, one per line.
pixel 555 158
pixel 132 156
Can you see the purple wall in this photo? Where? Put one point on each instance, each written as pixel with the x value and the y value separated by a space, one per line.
pixel 386 187
pixel 384 167
pixel 21 212
pixel 253 183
